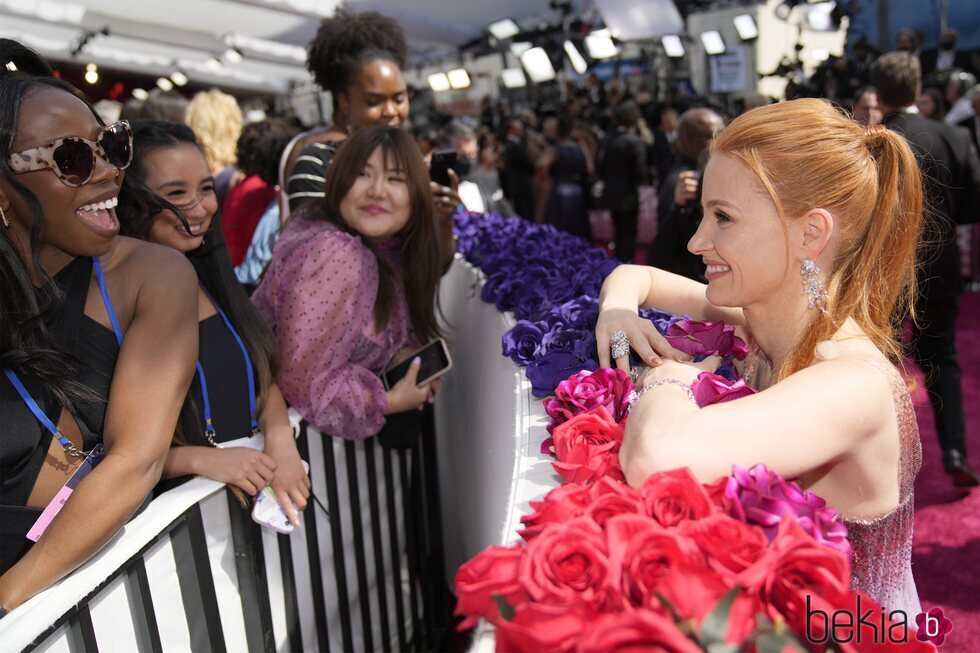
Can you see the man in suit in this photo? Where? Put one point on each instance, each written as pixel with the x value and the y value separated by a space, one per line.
pixel 951 173
pixel 972 124
pixel 518 170
pixel 679 207
pixel 945 57
pixel 623 168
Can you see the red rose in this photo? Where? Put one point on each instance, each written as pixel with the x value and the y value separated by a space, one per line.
pixel 675 496
pixel 730 546
pixel 635 630
pixel 794 568
pixel 692 591
pixel 716 492
pixel 561 504
pixel 610 505
pixel 586 447
pixel 641 552
pixel 537 627
pixel 491 572
pixel 567 564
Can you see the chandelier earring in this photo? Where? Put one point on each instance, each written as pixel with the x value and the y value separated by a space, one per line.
pixel 3 217
pixel 813 286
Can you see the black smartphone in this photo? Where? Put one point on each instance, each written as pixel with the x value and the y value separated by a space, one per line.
pixel 435 360
pixel 442 162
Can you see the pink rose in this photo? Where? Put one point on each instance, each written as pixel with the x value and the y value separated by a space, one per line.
pixel 762 497
pixel 701 338
pixel 586 391
pixel 567 564
pixel 710 388
pixel 561 504
pixel 492 572
pixel 587 447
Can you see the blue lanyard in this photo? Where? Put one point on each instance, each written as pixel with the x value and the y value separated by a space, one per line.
pixel 250 375
pixel 29 400
pixel 41 417
pixel 109 308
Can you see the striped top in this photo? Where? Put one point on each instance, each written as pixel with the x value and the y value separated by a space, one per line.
pixel 306 182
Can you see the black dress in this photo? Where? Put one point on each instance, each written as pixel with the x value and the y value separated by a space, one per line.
pixel 24 442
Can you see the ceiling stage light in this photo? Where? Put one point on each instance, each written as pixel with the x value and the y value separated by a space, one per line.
pixel 673 46
pixel 439 82
pixel 712 42
pixel 504 29
pixel 538 65
pixel 458 78
pixel 513 78
pixel 578 61
pixel 746 27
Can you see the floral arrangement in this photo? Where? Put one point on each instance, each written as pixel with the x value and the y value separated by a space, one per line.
pixel 675 565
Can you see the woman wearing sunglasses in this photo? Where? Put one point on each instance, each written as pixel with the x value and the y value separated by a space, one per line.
pixel 97 347
pixel 169 198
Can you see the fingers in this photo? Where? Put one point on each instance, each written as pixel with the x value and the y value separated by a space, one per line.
pixel 412 376
pixel 454 178
pixel 602 345
pixel 661 347
pixel 285 502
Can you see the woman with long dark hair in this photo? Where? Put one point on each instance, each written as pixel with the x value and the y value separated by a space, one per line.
pixel 352 284
pixel 168 198
pixel 95 345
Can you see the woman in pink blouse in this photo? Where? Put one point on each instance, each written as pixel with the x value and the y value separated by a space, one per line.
pixel 351 287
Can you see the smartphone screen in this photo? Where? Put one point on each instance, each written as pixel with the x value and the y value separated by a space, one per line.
pixel 435 359
pixel 442 162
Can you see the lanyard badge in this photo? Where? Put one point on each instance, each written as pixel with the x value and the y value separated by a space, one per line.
pixel 54 507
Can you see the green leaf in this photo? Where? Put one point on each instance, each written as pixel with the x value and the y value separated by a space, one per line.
pixel 506 609
pixel 773 643
pixel 715 625
pixel 723 647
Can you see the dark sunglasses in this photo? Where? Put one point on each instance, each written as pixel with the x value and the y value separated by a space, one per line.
pixel 72 158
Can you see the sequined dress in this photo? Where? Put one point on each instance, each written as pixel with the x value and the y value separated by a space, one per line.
pixel 881 566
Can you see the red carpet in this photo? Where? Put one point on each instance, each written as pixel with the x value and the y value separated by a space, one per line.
pixel 946 545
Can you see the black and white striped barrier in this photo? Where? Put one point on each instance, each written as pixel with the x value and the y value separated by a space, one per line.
pixel 193 572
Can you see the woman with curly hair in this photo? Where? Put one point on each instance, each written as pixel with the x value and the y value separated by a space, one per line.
pixel 358 58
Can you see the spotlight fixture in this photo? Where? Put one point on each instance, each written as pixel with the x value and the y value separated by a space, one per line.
pixel 213 65
pixel 92 76
pixel 673 46
pixel 179 78
pixel 439 82
pixel 232 56
pixel 578 61
pixel 513 78
pixel 504 29
pixel 140 93
pixel 458 78
pixel 785 8
pixel 712 42
pixel 165 84
pixel 91 66
pixel 820 17
pixel 600 45
pixel 746 27
pixel 519 48
pixel 537 63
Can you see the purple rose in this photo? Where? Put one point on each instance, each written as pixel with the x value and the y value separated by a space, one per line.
pixel 561 338
pixel 586 391
pixel 762 497
pixel 546 372
pixel 581 311
pixel 522 343
pixel 702 338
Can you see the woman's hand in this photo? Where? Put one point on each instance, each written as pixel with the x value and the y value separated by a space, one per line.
pixel 644 339
pixel 291 483
pixel 243 467
pixel 405 394
pixel 445 199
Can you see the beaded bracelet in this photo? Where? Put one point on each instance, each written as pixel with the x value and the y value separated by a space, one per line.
pixel 650 386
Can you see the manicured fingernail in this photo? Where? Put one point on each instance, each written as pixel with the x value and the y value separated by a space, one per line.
pixel 416 361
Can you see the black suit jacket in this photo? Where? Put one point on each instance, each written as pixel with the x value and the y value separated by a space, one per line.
pixel 970 124
pixel 623 168
pixel 928 58
pixel 951 175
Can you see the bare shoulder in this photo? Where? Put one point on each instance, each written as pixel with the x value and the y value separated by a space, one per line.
pixel 854 385
pixel 150 267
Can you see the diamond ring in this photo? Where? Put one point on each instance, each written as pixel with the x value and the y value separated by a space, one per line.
pixel 619 344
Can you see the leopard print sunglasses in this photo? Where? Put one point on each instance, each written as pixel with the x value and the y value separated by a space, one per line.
pixel 72 159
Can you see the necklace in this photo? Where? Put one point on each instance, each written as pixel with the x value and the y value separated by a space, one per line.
pixel 752 366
